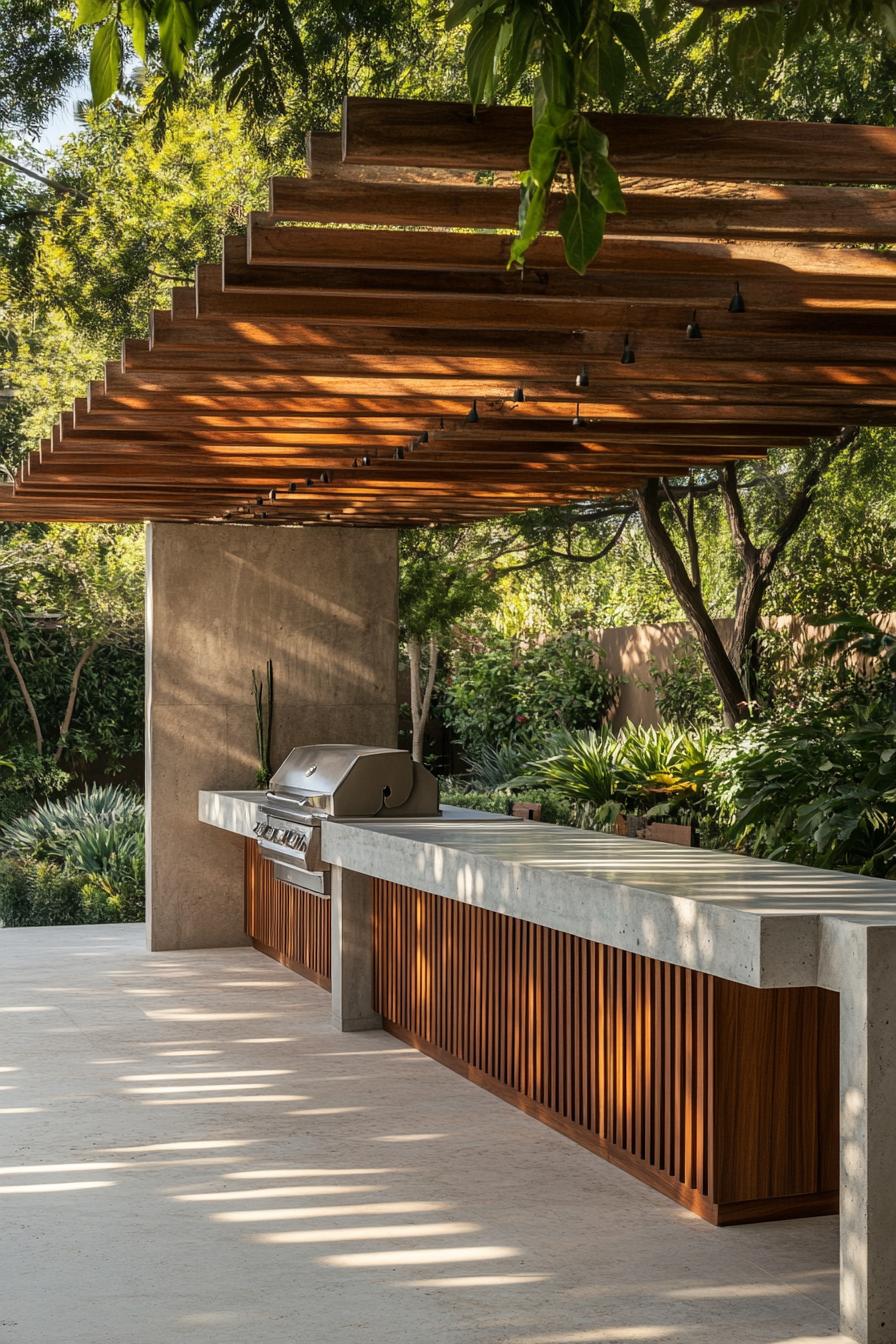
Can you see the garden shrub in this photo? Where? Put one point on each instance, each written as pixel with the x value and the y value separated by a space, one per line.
pixel 495 691
pixel 684 690
pixel 819 790
pixel 555 807
pixel 33 892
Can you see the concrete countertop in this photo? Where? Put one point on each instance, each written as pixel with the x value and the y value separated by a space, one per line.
pixel 749 920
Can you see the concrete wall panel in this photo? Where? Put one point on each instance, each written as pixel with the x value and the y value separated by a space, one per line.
pixel 322 604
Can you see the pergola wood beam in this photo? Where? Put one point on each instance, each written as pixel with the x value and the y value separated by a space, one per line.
pixel 789 214
pixel 400 133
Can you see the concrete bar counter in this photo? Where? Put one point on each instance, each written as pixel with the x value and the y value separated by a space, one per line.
pixel 720 1026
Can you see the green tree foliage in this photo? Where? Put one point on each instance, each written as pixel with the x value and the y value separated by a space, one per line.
pixel 499 688
pixel 41 55
pixel 445 581
pixel 69 591
pixel 572 56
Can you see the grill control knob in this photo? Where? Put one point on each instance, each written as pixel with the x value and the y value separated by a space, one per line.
pixel 303 843
pixel 268 832
pixel 258 828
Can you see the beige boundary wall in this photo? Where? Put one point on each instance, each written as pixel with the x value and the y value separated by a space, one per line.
pixel 322 604
pixel 630 651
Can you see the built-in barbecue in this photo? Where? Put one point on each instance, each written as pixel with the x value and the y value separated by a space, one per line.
pixel 335 780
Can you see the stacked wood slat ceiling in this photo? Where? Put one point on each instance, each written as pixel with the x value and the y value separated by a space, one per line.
pixel 327 369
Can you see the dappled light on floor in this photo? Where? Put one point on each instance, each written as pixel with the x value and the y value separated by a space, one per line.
pixel 192 1176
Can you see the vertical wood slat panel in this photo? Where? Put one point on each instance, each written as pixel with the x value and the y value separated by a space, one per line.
pixel 290 924
pixel 621 1052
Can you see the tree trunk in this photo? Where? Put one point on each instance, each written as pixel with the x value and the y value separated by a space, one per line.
pixel 724 672
pixel 421 695
pixel 72 697
pixel 26 694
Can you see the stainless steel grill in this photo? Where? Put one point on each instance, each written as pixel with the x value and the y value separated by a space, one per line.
pixel 335 780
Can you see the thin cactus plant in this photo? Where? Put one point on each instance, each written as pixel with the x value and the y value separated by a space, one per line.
pixel 263 692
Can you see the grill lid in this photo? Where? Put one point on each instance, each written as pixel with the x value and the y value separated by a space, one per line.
pixel 347 780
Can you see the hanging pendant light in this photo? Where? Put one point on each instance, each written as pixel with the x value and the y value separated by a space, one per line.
pixel 577 421
pixel 737 304
pixel 423 438
pixel 582 379
pixel 398 454
pixel 473 414
pixel 628 354
pixel 365 460
pixel 325 477
pixel 693 328
pixel 292 487
pixel 519 393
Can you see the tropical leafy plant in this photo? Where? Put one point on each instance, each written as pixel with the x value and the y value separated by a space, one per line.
pixel 585 767
pixel 819 790
pixel 652 771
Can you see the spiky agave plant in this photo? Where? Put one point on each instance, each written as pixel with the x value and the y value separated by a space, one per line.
pixel 50 830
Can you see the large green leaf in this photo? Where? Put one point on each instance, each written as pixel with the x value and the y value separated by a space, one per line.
pixel 525 31
pixel 582 227
pixel 629 32
pixel 460 11
pixel 93 11
pixel 177 33
pixel 133 16
pixel 602 181
pixel 612 73
pixel 533 204
pixel 482 53
pixel 105 61
pixel 544 151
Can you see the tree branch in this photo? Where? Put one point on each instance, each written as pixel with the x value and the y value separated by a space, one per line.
pixel 72 697
pixel 802 501
pixel 691 600
pixel 26 694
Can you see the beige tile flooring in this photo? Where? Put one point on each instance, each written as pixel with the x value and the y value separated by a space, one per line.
pixel 189 1152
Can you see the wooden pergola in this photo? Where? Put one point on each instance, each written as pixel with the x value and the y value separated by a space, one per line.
pixel 364 356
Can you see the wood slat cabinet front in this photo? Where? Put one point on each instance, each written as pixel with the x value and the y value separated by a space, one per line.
pixel 721 1096
pixel 286 923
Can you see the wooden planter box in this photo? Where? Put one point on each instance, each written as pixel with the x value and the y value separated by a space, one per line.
pixel 670 832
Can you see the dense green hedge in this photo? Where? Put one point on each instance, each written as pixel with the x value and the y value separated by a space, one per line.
pixel 554 806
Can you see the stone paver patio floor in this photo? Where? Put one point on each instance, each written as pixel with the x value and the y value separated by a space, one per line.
pixel 189 1152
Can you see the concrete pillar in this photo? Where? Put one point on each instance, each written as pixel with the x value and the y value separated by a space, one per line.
pixel 860 962
pixel 351 945
pixel 322 604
